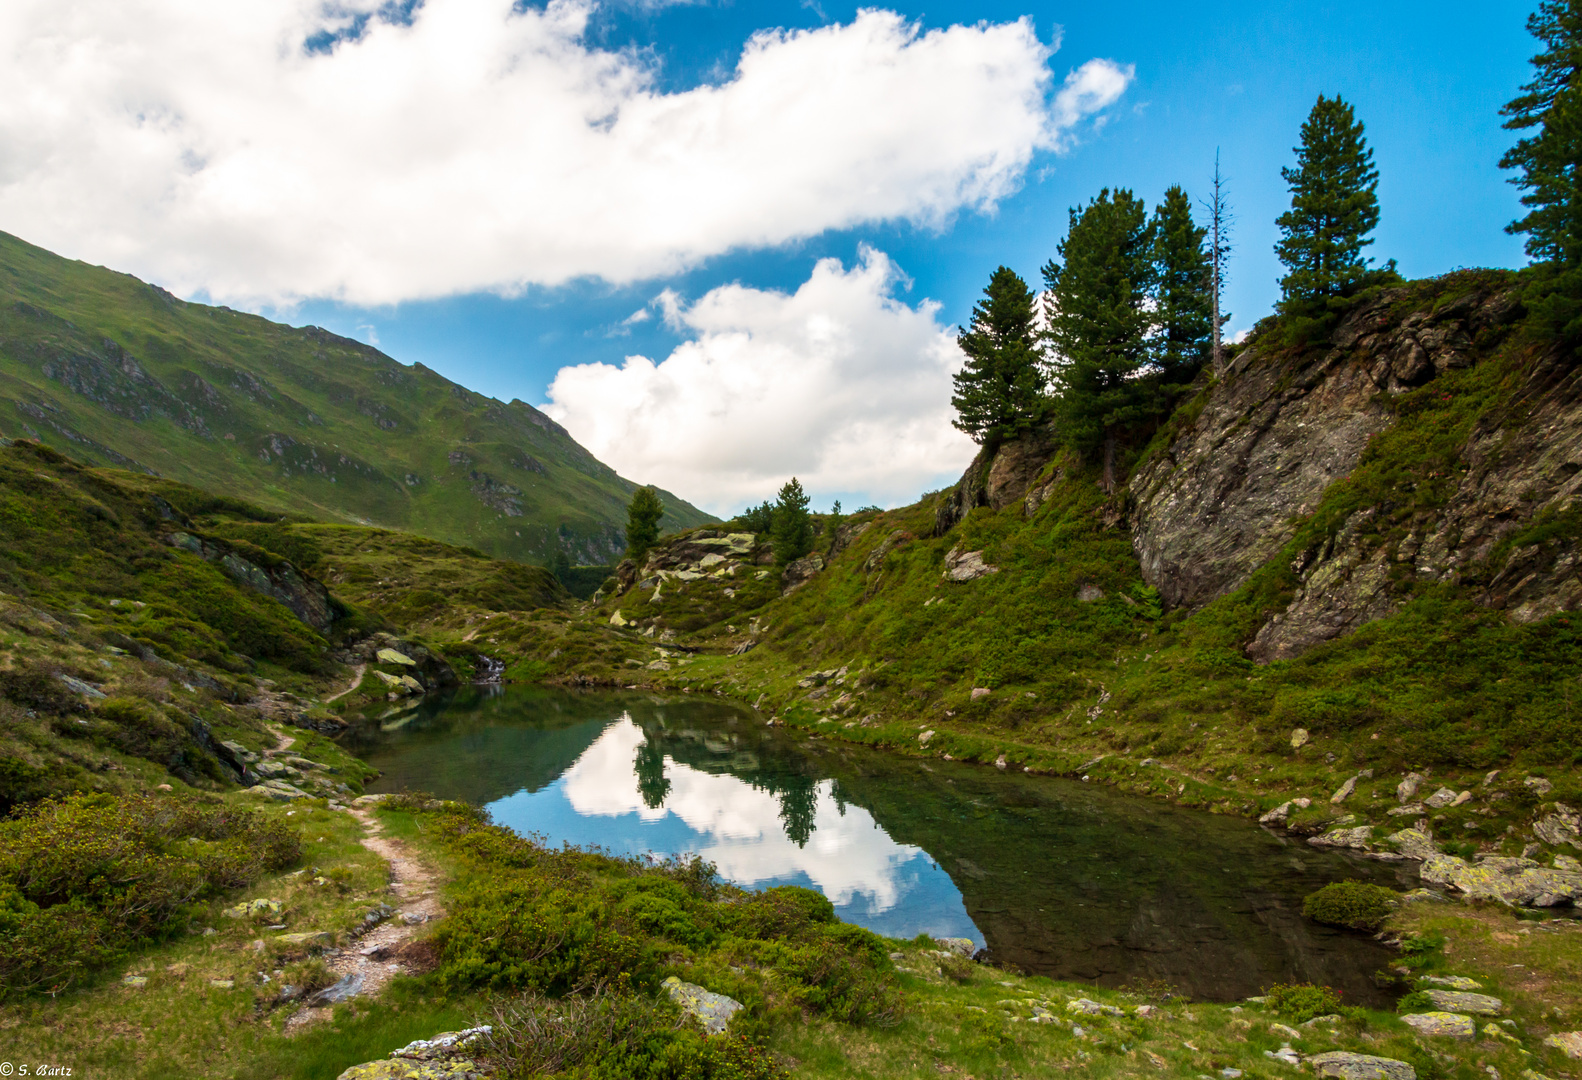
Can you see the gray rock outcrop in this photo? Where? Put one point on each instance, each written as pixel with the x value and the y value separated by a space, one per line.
pixel 1506 879
pixel 1284 424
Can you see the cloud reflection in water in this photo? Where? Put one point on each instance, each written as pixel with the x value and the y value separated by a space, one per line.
pixel 895 889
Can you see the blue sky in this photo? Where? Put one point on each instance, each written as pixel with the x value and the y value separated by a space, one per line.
pixel 391 186
pixel 1427 79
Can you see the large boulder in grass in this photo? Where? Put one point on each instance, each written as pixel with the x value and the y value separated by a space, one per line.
pixel 447 1056
pixel 1349 1066
pixel 713 1011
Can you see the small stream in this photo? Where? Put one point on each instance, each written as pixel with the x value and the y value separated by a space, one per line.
pixel 1055 876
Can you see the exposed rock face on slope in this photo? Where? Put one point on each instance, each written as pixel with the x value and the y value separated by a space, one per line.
pixel 998 476
pixel 1230 492
pixel 306 597
pixel 1276 433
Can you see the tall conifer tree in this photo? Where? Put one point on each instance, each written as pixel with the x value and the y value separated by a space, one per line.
pixel 999 392
pixel 791 534
pixel 1184 335
pixel 1550 157
pixel 1098 322
pixel 642 523
pixel 1334 205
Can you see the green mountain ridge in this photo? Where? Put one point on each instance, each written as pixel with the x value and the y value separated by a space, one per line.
pixel 119 372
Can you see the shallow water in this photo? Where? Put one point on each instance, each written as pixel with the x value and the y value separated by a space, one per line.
pixel 1057 877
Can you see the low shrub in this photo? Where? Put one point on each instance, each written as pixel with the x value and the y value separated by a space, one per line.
pixel 84 878
pixel 1353 904
pixel 1300 1002
pixel 617 1035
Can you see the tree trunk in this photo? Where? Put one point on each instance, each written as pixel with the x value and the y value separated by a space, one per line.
pixel 1109 463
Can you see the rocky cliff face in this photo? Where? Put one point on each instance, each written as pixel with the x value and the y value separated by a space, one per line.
pixel 1238 481
pixel 1282 436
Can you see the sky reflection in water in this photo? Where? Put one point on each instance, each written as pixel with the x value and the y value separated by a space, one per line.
pixel 894 889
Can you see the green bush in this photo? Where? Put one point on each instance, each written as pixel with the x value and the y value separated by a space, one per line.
pixel 1415 1002
pixel 1300 1002
pixel 84 878
pixel 1352 904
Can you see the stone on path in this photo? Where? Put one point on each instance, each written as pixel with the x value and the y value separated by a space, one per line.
pixel 1349 1066
pixel 348 987
pixel 1449 1024
pixel 713 1011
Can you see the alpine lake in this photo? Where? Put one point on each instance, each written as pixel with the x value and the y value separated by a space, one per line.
pixel 1056 877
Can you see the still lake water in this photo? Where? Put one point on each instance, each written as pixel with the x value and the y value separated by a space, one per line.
pixel 1057 877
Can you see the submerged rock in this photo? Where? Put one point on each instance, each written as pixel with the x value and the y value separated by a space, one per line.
pixel 713 1011
pixel 1349 1066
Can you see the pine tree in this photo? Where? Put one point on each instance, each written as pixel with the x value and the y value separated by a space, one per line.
pixel 642 523
pixel 1184 298
pixel 1549 159
pixel 792 532
pixel 560 565
pixel 1098 319
pixel 1334 205
pixel 999 392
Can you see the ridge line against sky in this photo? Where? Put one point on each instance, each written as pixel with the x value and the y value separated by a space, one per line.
pixel 788 206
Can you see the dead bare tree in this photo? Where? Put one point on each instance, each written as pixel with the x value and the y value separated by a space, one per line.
pixel 1219 253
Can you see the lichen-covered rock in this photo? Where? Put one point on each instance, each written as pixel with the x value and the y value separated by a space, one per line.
pixel 1454 982
pixel 1507 879
pixel 1446 1024
pixel 252 909
pixel 1357 838
pixel 1349 1066
pixel 1413 844
pixel 447 1056
pixel 1568 1043
pixel 1563 826
pixel 713 1011
pixel 402 1069
pixel 1462 1001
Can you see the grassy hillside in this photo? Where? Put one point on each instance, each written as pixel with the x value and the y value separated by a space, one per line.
pixel 119 372
pixel 142 621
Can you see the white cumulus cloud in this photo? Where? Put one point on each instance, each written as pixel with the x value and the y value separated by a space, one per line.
pixel 488 146
pixel 839 383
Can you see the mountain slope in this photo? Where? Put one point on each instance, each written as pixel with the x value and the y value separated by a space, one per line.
pixel 119 372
